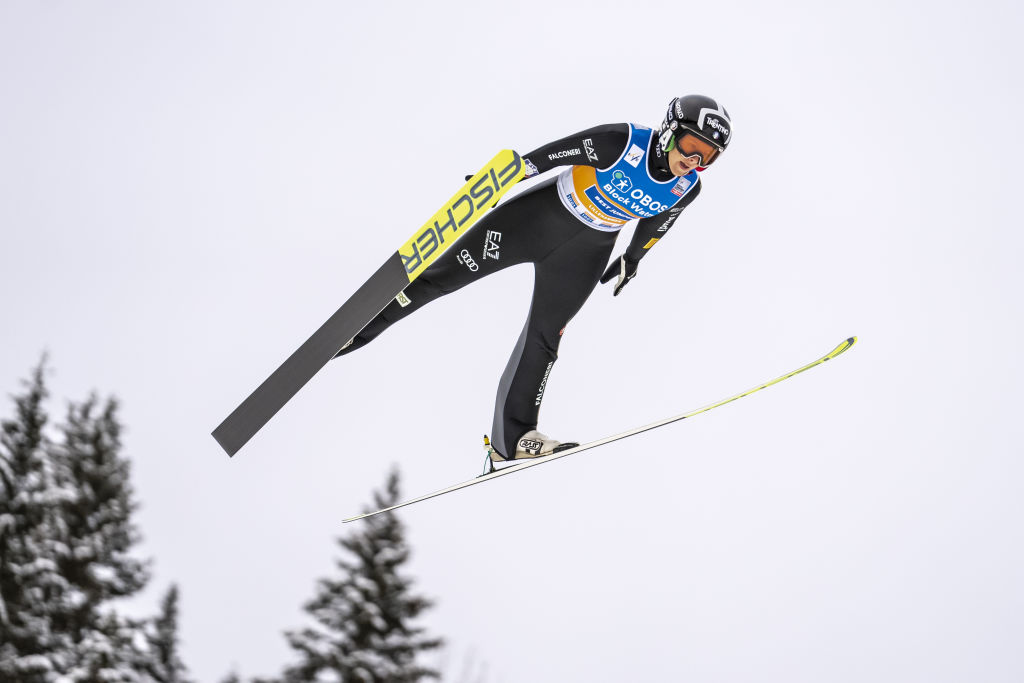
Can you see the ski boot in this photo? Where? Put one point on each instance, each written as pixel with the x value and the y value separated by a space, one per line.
pixel 532 444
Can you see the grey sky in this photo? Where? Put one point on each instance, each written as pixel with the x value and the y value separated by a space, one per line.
pixel 189 189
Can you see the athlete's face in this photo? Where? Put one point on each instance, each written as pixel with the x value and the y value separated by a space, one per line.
pixel 689 153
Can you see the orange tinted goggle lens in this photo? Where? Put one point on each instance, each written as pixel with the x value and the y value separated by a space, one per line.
pixel 690 146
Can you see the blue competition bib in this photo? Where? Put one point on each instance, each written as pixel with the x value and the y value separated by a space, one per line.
pixel 606 199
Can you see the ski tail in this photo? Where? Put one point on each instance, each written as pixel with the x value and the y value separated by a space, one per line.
pixel 440 231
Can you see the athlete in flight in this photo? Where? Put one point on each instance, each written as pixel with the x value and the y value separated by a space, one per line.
pixel 566 227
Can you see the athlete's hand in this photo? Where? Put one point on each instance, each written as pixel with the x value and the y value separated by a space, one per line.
pixel 531 171
pixel 623 267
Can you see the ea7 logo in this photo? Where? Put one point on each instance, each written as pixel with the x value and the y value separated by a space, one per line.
pixel 588 147
pixel 429 243
pixel 492 245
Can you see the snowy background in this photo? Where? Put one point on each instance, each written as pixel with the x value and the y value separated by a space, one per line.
pixel 189 189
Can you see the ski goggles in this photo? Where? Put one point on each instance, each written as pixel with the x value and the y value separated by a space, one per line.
pixel 689 145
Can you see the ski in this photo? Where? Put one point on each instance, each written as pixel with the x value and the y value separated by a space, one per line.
pixel 449 223
pixel 521 465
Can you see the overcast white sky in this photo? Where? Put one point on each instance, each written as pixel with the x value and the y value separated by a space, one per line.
pixel 189 189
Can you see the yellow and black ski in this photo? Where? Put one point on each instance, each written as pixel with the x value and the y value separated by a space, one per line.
pixel 525 464
pixel 446 226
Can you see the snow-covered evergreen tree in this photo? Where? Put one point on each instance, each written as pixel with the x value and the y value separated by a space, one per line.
pixel 66 534
pixel 112 649
pixel 166 665
pixel 365 628
pixel 99 537
pixel 98 517
pixel 32 590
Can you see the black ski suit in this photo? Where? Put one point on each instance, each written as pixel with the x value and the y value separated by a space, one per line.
pixel 569 255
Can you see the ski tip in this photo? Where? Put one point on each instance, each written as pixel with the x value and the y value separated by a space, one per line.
pixel 842 347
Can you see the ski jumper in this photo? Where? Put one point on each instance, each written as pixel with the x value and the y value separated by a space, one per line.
pixel 566 227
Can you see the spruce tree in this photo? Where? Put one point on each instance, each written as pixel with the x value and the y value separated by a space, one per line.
pixel 66 534
pixel 32 591
pixel 166 666
pixel 98 517
pixel 110 649
pixel 365 627
pixel 99 537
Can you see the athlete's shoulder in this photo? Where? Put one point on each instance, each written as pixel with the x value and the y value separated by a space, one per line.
pixel 594 146
pixel 619 128
pixel 605 132
pixel 603 144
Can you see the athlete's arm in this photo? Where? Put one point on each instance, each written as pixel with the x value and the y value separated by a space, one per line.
pixel 650 230
pixel 599 147
pixel 647 233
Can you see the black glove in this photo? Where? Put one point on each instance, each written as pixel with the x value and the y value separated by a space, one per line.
pixel 531 171
pixel 625 268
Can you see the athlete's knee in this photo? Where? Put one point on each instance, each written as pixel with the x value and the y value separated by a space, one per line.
pixel 548 341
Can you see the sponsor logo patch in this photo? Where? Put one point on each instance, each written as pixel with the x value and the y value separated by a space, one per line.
pixel 430 241
pixel 465 259
pixel 564 153
pixel 716 124
pixel 544 383
pixel 588 147
pixel 681 187
pixel 621 181
pixel 633 199
pixel 403 300
pixel 531 446
pixel 634 155
pixel 492 245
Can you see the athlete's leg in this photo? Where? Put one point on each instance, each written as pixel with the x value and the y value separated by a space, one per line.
pixel 563 281
pixel 477 254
